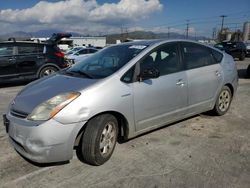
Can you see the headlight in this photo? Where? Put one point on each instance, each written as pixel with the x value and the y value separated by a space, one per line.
pixel 51 107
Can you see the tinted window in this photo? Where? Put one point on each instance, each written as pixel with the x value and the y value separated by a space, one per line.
pixel 23 50
pixel 92 51
pixel 196 55
pixel 217 55
pixel 164 58
pixel 82 52
pixel 6 50
pixel 41 49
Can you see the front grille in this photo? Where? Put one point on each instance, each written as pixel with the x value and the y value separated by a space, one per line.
pixel 18 113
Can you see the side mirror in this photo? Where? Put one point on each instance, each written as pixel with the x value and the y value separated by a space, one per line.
pixel 149 74
pixel 77 54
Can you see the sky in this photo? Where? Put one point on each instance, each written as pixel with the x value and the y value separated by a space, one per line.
pixel 99 17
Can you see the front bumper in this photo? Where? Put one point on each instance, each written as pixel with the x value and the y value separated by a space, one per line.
pixel 47 142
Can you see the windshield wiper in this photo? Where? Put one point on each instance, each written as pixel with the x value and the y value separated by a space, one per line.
pixel 80 73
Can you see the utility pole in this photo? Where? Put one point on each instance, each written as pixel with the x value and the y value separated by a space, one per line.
pixel 222 21
pixel 214 33
pixel 187 29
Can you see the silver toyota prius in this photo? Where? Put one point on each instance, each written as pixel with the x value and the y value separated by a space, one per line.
pixel 116 94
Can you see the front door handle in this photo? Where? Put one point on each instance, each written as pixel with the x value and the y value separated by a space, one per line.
pixel 180 83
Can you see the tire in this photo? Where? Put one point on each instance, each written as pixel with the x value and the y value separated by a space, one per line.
pixel 242 56
pixel 46 71
pixel 99 140
pixel 223 101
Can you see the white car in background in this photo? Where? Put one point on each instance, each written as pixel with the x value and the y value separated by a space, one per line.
pixel 74 49
pixel 81 54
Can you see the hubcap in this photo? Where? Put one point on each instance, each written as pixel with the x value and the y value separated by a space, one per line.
pixel 48 72
pixel 224 100
pixel 107 141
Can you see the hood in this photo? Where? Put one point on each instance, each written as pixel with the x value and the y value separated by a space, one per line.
pixel 41 90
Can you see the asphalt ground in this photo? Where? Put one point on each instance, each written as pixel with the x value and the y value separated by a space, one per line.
pixel 202 151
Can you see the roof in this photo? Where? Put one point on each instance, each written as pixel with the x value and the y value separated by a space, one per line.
pixel 157 41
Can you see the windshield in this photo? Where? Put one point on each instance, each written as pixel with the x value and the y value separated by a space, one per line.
pixel 107 61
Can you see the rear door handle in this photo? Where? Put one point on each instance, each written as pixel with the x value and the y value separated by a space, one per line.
pixel 180 83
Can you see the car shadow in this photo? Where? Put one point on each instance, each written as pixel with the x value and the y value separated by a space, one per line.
pixel 242 73
pixel 14 84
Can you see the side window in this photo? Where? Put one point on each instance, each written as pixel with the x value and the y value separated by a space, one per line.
pixel 91 51
pixel 164 58
pixel 196 55
pixel 217 56
pixel 82 52
pixel 26 50
pixel 41 49
pixel 6 51
pixel 128 76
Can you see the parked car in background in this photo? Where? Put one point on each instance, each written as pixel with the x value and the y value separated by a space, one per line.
pixel 74 49
pixel 248 48
pixel 20 60
pixel 118 93
pixel 235 49
pixel 78 55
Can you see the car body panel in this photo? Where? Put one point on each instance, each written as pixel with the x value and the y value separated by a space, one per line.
pixel 47 91
pixel 158 100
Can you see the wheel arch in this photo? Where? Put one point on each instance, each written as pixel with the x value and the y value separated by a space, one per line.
pixel 230 86
pixel 122 126
pixel 46 65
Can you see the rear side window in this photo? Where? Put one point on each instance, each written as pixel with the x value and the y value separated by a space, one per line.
pixel 91 51
pixel 82 52
pixel 25 50
pixel 196 55
pixel 217 55
pixel 6 50
pixel 41 49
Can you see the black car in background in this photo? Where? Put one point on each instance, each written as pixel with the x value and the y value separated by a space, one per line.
pixel 23 60
pixel 235 49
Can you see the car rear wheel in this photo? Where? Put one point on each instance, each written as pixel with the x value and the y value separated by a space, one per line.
pixel 99 140
pixel 46 71
pixel 223 101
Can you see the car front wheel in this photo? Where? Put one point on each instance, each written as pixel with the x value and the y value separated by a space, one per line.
pixel 98 140
pixel 223 101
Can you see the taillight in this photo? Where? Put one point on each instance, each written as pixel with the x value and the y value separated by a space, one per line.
pixel 59 54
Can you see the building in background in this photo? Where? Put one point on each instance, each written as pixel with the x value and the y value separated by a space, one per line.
pixel 238 35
